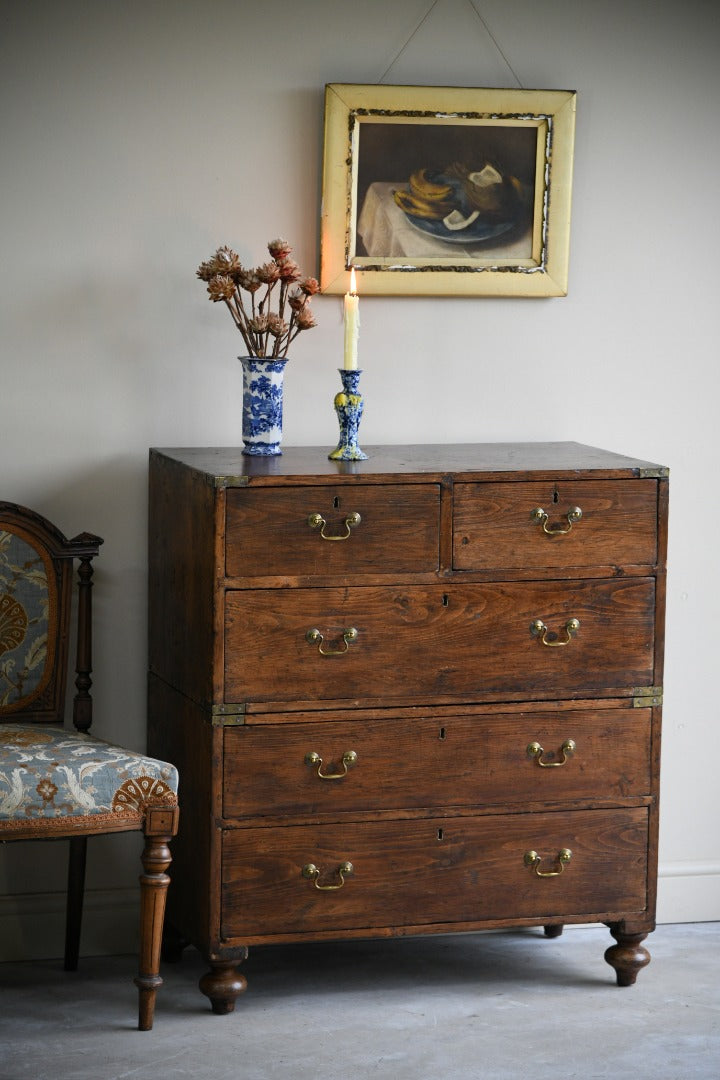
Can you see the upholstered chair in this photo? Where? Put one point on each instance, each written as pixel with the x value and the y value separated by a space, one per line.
pixel 57 781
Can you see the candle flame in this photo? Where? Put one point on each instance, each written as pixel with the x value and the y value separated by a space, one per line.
pixel 353 283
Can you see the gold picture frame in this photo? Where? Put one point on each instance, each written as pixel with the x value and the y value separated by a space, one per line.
pixel 446 191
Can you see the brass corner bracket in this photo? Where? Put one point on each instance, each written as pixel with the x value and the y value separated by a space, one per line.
pixel 645 697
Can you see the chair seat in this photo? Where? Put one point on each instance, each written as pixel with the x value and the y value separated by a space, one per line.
pixel 66 781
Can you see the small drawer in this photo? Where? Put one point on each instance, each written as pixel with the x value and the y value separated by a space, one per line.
pixel 421 642
pixel 288 770
pixel 527 526
pixel 442 871
pixel 326 531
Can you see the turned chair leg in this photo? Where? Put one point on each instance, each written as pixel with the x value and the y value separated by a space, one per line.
pixel 75 895
pixel 153 893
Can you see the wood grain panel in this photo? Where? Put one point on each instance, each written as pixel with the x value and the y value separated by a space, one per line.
pixel 432 871
pixel 227 466
pixel 181 578
pixel 434 762
pixel 494 528
pixel 268 531
pixel 419 641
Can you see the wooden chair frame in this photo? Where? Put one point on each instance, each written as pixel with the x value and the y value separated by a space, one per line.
pixel 158 821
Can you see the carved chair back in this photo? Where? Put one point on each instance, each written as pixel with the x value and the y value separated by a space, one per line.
pixel 36 583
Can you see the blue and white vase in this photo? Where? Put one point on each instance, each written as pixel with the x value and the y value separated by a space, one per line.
pixel 262 414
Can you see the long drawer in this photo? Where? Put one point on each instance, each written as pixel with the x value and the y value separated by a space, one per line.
pixel 289 770
pixel 306 879
pixel 394 528
pixel 547 524
pixel 396 642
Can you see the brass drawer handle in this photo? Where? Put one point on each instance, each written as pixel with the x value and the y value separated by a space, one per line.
pixel 540 630
pixel 539 516
pixel 314 637
pixel 317 521
pixel 532 859
pixel 311 871
pixel 349 758
pixel 536 751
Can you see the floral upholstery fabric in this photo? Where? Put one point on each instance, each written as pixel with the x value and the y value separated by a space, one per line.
pixel 49 774
pixel 24 614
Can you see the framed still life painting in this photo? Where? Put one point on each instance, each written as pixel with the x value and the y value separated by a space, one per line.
pixel 431 190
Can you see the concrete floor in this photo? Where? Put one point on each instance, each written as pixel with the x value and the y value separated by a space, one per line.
pixel 464 1007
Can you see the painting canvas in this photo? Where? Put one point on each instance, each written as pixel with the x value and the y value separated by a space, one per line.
pixel 432 190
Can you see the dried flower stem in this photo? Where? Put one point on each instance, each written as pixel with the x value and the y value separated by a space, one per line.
pixel 265 333
pixel 238 323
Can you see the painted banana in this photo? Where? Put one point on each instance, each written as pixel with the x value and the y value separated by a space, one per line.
pixel 423 208
pixel 424 188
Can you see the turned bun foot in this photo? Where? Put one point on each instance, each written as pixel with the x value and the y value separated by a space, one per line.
pixel 628 957
pixel 553 929
pixel 222 984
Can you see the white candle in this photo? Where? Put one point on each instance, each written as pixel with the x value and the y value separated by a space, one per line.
pixel 352 324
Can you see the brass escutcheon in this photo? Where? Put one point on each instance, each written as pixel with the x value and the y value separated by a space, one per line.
pixel 540 516
pixel 317 521
pixel 536 751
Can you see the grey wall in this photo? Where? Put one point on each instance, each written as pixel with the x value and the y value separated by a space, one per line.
pixel 136 137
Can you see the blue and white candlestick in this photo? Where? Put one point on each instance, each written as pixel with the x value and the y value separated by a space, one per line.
pixel 349 405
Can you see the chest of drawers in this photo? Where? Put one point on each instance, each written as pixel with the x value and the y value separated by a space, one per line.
pixel 415 694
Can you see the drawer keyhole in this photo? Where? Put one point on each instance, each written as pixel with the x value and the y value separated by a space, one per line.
pixel 441 835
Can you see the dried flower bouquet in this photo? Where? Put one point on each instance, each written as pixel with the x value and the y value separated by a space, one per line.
pixel 267 334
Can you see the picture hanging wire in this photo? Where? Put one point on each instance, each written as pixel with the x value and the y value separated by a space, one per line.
pixel 425 18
